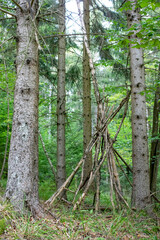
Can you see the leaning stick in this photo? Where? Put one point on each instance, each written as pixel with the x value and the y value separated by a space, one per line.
pixel 58 192
pixel 122 169
pixel 123 160
pixel 92 176
pixel 93 141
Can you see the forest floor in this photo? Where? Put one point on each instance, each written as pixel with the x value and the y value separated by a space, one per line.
pixel 77 225
pixel 82 224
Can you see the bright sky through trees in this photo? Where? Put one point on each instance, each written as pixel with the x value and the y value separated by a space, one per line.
pixel 72 20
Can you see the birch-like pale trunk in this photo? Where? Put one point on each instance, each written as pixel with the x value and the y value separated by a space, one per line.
pixel 22 183
pixel 61 166
pixel 140 156
pixel 87 122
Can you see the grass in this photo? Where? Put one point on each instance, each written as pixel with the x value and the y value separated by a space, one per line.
pixel 81 224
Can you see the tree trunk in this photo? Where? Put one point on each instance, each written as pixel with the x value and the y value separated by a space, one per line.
pixel 22 184
pixel 140 158
pixel 87 123
pixel 61 167
pixel 155 144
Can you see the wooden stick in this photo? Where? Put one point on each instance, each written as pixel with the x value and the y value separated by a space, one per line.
pixel 92 176
pixel 122 160
pixel 58 192
pixel 111 186
pixel 122 169
pixel 123 118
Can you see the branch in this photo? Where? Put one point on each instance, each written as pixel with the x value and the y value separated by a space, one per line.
pixel 58 192
pixel 108 13
pixel 48 158
pixel 4 19
pixel 32 2
pixel 8 7
pixel 6 41
pixel 75 34
pixel 6 91
pixel 5 11
pixel 48 13
pixel 115 151
pixel 17 5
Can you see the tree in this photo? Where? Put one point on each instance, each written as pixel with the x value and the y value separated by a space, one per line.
pixel 61 167
pixel 87 127
pixel 140 158
pixel 22 183
pixel 155 144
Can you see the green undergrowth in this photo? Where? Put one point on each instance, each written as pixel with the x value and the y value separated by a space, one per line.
pixel 80 224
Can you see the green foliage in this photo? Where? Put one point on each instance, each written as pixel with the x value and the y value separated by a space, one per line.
pixel 46 187
pixel 2 226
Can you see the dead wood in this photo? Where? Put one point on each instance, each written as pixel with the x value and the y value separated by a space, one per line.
pixel 102 142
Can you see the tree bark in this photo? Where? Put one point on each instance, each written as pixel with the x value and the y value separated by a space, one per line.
pixel 140 158
pixel 61 166
pixel 87 123
pixel 22 183
pixel 155 144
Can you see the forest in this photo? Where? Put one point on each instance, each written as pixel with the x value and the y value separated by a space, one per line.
pixel 79 119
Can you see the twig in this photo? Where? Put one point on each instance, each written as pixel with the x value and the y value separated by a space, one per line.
pixel 157 200
pixel 75 34
pixel 5 11
pixel 10 8
pixel 122 169
pixel 48 158
pixel 32 1
pixel 6 41
pixel 124 115
pixel 122 4
pixel 122 160
pixel 17 5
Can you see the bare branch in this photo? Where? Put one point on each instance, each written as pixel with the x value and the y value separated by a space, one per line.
pixel 17 5
pixel 75 34
pixel 7 7
pixel 32 1
pixel 6 40
pixel 48 158
pixel 4 19
pixel 5 11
